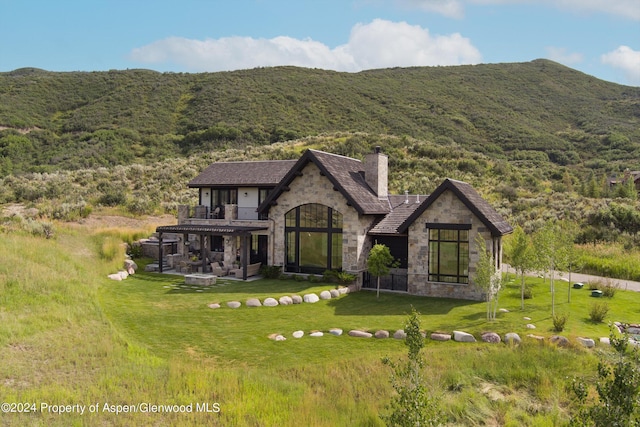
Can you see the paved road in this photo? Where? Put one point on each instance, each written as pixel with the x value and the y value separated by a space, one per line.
pixel 586 278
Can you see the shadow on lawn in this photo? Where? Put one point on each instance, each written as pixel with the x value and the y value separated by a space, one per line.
pixel 365 303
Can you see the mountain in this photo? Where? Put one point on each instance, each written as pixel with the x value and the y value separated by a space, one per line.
pixel 534 111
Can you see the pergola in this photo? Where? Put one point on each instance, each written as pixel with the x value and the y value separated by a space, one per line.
pixel 211 230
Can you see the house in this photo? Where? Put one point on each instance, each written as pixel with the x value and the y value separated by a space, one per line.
pixel 325 211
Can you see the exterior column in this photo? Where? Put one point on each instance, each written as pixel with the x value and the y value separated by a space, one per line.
pixel 160 254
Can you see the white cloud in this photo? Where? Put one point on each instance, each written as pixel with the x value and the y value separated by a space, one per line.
pixel 455 8
pixel 625 59
pixel 560 54
pixel 450 8
pixel 379 44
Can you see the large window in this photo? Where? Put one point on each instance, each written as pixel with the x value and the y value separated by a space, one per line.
pixel 313 237
pixel 449 253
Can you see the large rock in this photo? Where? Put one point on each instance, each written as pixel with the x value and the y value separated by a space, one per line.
pixel 461 336
pixel 115 277
pixel 559 340
pixel 490 337
pixel 234 304
pixel 214 305
pixel 325 295
pixel 297 299
pixel 359 334
pixel 381 334
pixel 316 334
pixel 285 300
pixel 342 290
pixel 605 340
pixel 334 293
pixel 270 302
pixel 335 331
pixel 130 264
pixel 536 337
pixel 512 338
pixel 587 342
pixel 277 337
pixel 439 336
pixel 633 330
pixel 400 334
pixel 298 334
pixel 123 274
pixel 253 302
pixel 311 298
pixel 530 326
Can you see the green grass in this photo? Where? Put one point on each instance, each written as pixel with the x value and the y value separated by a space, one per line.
pixel 69 335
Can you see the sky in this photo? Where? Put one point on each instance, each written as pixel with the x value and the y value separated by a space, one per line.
pixel 598 37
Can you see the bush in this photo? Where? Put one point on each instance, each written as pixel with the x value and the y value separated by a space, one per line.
pixel 528 293
pixel 559 320
pixel 609 288
pixel 271 271
pixel 598 312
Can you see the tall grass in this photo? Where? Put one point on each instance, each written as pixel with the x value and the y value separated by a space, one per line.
pixel 611 260
pixel 69 335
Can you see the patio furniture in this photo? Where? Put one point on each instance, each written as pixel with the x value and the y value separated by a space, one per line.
pixel 252 270
pixel 218 270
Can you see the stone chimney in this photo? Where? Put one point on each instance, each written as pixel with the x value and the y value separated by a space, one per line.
pixel 376 172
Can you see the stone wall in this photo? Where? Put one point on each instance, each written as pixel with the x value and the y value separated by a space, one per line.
pixel 312 187
pixel 446 209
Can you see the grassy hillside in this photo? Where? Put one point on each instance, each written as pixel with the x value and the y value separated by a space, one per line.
pixel 70 336
pixel 537 110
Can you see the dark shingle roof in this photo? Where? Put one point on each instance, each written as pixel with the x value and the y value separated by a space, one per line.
pixel 344 174
pixel 394 219
pixel 472 200
pixel 250 174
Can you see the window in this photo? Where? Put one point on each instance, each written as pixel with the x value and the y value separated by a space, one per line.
pixel 449 253
pixel 313 237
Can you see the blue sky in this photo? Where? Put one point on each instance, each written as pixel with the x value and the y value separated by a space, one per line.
pixel 598 37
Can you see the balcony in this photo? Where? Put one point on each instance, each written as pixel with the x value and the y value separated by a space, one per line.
pixel 221 215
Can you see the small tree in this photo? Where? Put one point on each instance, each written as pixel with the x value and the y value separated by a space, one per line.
pixel 520 254
pixel 618 389
pixel 487 277
pixel 412 405
pixel 551 245
pixel 379 263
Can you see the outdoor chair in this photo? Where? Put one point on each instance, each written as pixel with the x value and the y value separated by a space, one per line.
pixel 218 270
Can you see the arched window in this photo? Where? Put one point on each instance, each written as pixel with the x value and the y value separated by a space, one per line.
pixel 313 239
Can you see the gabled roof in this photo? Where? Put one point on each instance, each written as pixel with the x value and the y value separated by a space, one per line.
pixel 238 174
pixel 471 199
pixel 344 174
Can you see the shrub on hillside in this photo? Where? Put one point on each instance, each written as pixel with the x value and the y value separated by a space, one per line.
pixel 598 312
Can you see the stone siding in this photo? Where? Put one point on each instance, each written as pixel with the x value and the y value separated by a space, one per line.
pixel 312 187
pixel 447 209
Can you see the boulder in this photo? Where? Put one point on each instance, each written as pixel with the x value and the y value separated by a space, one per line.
pixel 285 300
pixel 316 334
pixel 130 271
pixel 297 299
pixel 298 334
pixel 311 298
pixel 325 295
pixel 270 302
pixel 214 305
pixel 503 310
pixel 115 277
pixel 512 338
pixel 559 340
pixel 335 331
pixel 633 330
pixel 130 264
pixel 334 293
pixel 526 318
pixel 605 340
pixel 253 302
pixel 490 337
pixel 342 290
pixel 400 334
pixel 530 326
pixel 535 337
pixel 439 336
pixel 123 274
pixel 277 337
pixel 587 342
pixel 381 334
pixel 359 334
pixel 461 336
pixel 234 304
